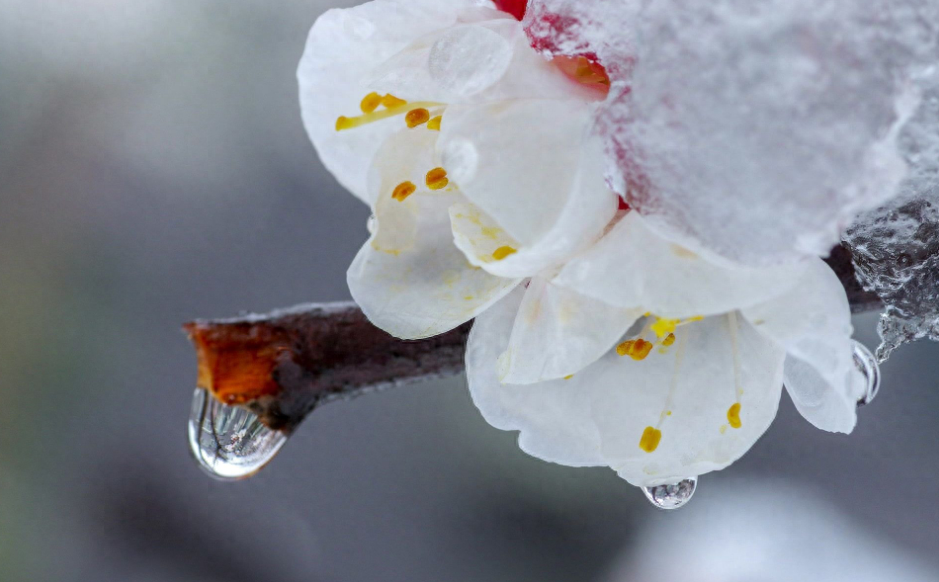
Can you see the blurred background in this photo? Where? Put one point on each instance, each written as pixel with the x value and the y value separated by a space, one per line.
pixel 153 169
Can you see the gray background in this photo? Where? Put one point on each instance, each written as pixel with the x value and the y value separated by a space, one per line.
pixel 153 169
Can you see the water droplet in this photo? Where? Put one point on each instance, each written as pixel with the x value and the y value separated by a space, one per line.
pixel 229 442
pixel 671 495
pixel 867 365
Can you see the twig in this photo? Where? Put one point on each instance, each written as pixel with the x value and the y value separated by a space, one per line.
pixel 283 364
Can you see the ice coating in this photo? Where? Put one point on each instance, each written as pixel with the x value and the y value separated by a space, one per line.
pixel 896 247
pixel 757 130
pixel 595 28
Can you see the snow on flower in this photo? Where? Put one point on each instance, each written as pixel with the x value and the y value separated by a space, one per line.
pixel 756 129
pixel 602 342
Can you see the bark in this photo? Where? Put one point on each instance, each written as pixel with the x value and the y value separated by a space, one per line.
pixel 284 364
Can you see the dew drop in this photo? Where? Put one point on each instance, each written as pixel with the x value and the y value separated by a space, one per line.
pixel 229 442
pixel 867 365
pixel 671 495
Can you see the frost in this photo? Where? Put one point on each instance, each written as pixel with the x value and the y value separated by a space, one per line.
pixel 756 129
pixel 896 247
pixel 598 28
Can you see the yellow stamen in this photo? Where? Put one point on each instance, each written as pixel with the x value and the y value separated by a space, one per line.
pixel 650 439
pixel 663 327
pixel 733 415
pixel 434 123
pixel 502 252
pixel 636 349
pixel 370 102
pixel 390 101
pixel 344 122
pixel 669 340
pixel 416 117
pixel 403 190
pixel 436 179
pixel 568 377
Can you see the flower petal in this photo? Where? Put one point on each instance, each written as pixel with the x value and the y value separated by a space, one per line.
pixel 695 409
pixel 632 266
pixel 813 323
pixel 535 178
pixel 409 278
pixel 558 332
pixel 343 48
pixel 484 59
pixel 553 417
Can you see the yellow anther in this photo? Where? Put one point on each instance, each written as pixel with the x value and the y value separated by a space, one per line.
pixel 669 339
pixel 403 190
pixel 403 107
pixel 625 347
pixel 568 377
pixel 390 101
pixel 695 318
pixel 436 179
pixel 636 349
pixel 650 439
pixel 733 415
pixel 663 327
pixel 502 252
pixel 434 123
pixel 370 102
pixel 416 117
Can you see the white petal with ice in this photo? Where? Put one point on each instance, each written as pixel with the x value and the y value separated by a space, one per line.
pixel 553 417
pixel 409 278
pixel 585 209
pixel 812 322
pixel 558 332
pixel 632 266
pixel 520 162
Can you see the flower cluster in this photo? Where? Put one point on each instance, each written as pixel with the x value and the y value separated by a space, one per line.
pixel 603 338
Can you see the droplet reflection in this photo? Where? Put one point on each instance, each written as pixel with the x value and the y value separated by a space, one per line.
pixel 671 495
pixel 867 365
pixel 229 442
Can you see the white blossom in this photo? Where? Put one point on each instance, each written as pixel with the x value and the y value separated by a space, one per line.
pixel 599 340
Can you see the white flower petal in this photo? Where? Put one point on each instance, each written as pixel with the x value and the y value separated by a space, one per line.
pixel 813 323
pixel 409 278
pixel 343 48
pixel 553 417
pixel 687 394
pixel 524 164
pixel 633 266
pixel 558 332
pixel 542 216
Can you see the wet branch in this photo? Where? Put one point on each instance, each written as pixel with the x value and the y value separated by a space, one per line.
pixel 283 364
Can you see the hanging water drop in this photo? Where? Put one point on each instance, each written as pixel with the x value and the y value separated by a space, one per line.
pixel 867 365
pixel 671 495
pixel 229 442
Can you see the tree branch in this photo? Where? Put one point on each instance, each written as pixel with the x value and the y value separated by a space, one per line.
pixel 284 364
